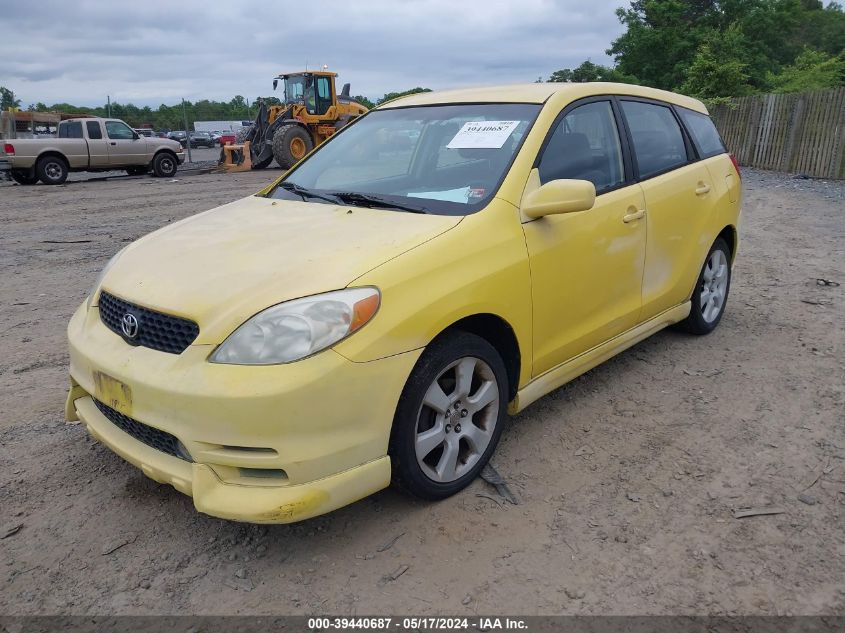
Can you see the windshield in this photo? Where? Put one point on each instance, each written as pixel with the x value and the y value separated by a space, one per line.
pixel 294 88
pixel 447 159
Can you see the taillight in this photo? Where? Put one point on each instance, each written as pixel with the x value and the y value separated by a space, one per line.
pixel 8 149
pixel 736 165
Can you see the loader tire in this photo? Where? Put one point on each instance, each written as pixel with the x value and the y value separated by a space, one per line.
pixel 290 144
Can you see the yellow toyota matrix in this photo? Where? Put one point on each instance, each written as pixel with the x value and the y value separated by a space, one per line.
pixel 376 313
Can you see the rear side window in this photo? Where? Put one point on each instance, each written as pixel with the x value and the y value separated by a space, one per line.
pixel 703 132
pixel 94 131
pixel 658 140
pixel 70 129
pixel 585 146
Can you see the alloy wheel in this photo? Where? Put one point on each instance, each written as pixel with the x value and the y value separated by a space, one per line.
pixel 714 286
pixel 457 419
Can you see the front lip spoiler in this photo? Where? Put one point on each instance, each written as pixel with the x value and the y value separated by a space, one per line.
pixel 212 496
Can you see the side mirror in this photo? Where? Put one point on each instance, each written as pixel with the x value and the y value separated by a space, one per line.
pixel 135 136
pixel 559 196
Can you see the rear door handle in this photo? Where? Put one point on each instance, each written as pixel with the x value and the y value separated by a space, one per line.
pixel 633 216
pixel 702 188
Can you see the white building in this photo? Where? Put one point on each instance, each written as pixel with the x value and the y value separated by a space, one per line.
pixel 220 126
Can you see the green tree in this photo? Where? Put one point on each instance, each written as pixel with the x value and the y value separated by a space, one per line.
pixel 588 71
pixel 812 70
pixel 364 101
pixel 395 95
pixel 7 99
pixel 718 68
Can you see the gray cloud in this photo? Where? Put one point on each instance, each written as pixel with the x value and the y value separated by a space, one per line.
pixel 159 51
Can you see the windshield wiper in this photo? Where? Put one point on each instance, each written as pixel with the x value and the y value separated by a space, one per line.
pixel 366 199
pixel 306 193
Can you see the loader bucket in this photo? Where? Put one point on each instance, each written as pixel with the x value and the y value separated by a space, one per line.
pixel 235 157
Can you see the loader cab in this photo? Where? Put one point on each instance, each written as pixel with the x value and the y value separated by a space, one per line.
pixel 313 90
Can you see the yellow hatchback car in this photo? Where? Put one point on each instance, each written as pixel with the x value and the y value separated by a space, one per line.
pixel 376 313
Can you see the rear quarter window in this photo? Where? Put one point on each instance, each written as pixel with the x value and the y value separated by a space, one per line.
pixel 703 132
pixel 70 129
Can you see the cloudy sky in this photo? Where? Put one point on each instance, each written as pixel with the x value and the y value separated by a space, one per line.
pixel 156 51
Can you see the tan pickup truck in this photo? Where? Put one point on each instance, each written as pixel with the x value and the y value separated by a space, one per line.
pixel 89 144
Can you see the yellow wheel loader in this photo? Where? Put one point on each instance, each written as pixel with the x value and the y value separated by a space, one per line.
pixel 311 112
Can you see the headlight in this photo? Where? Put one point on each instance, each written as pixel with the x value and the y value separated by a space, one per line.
pixel 299 328
pixel 100 277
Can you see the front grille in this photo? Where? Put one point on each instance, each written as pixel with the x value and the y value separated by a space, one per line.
pixel 156 330
pixel 155 438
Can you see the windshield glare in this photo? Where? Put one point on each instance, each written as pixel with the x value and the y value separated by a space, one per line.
pixel 447 159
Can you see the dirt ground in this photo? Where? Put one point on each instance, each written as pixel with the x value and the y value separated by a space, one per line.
pixel 626 478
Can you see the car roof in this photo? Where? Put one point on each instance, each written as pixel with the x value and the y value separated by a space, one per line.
pixel 540 93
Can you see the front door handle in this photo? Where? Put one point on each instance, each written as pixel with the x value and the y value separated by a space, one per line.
pixel 633 216
pixel 702 188
pixel 112 143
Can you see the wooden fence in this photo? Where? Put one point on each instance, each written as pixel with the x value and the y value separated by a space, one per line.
pixel 800 133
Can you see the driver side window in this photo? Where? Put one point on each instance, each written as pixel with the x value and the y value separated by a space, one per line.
pixel 585 146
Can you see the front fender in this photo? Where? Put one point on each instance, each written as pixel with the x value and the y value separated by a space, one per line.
pixel 479 267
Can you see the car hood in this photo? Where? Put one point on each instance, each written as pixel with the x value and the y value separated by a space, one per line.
pixel 220 267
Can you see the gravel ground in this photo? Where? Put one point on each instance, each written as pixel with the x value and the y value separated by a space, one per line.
pixel 627 477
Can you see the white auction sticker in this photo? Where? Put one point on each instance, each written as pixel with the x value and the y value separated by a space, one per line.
pixel 483 134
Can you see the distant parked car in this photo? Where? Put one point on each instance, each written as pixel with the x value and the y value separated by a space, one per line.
pixel 201 139
pixel 215 136
pixel 180 136
pixel 227 138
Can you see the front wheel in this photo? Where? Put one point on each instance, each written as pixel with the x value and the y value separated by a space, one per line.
pixel 290 144
pixel 164 165
pixel 449 417
pixel 711 292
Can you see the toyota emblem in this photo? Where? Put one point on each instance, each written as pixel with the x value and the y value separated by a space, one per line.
pixel 129 325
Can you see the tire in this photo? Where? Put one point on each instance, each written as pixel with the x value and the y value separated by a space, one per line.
pixel 710 295
pixel 51 170
pixel 23 176
pixel 137 171
pixel 427 413
pixel 242 134
pixel 290 144
pixel 165 165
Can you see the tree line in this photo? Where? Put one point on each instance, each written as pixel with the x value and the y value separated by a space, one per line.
pixel 715 49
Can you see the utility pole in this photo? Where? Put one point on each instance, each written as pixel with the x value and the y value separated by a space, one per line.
pixel 108 101
pixel 187 133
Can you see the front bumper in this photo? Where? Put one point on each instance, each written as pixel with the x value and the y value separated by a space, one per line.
pixel 272 444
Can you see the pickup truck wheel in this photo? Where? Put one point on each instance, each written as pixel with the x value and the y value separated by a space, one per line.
pixel 51 170
pixel 23 177
pixel 164 165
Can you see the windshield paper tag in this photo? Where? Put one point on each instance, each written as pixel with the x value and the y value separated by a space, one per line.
pixel 483 135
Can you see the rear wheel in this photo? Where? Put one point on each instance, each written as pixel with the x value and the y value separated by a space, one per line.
pixel 449 417
pixel 711 292
pixel 51 170
pixel 290 144
pixel 165 165
pixel 24 177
